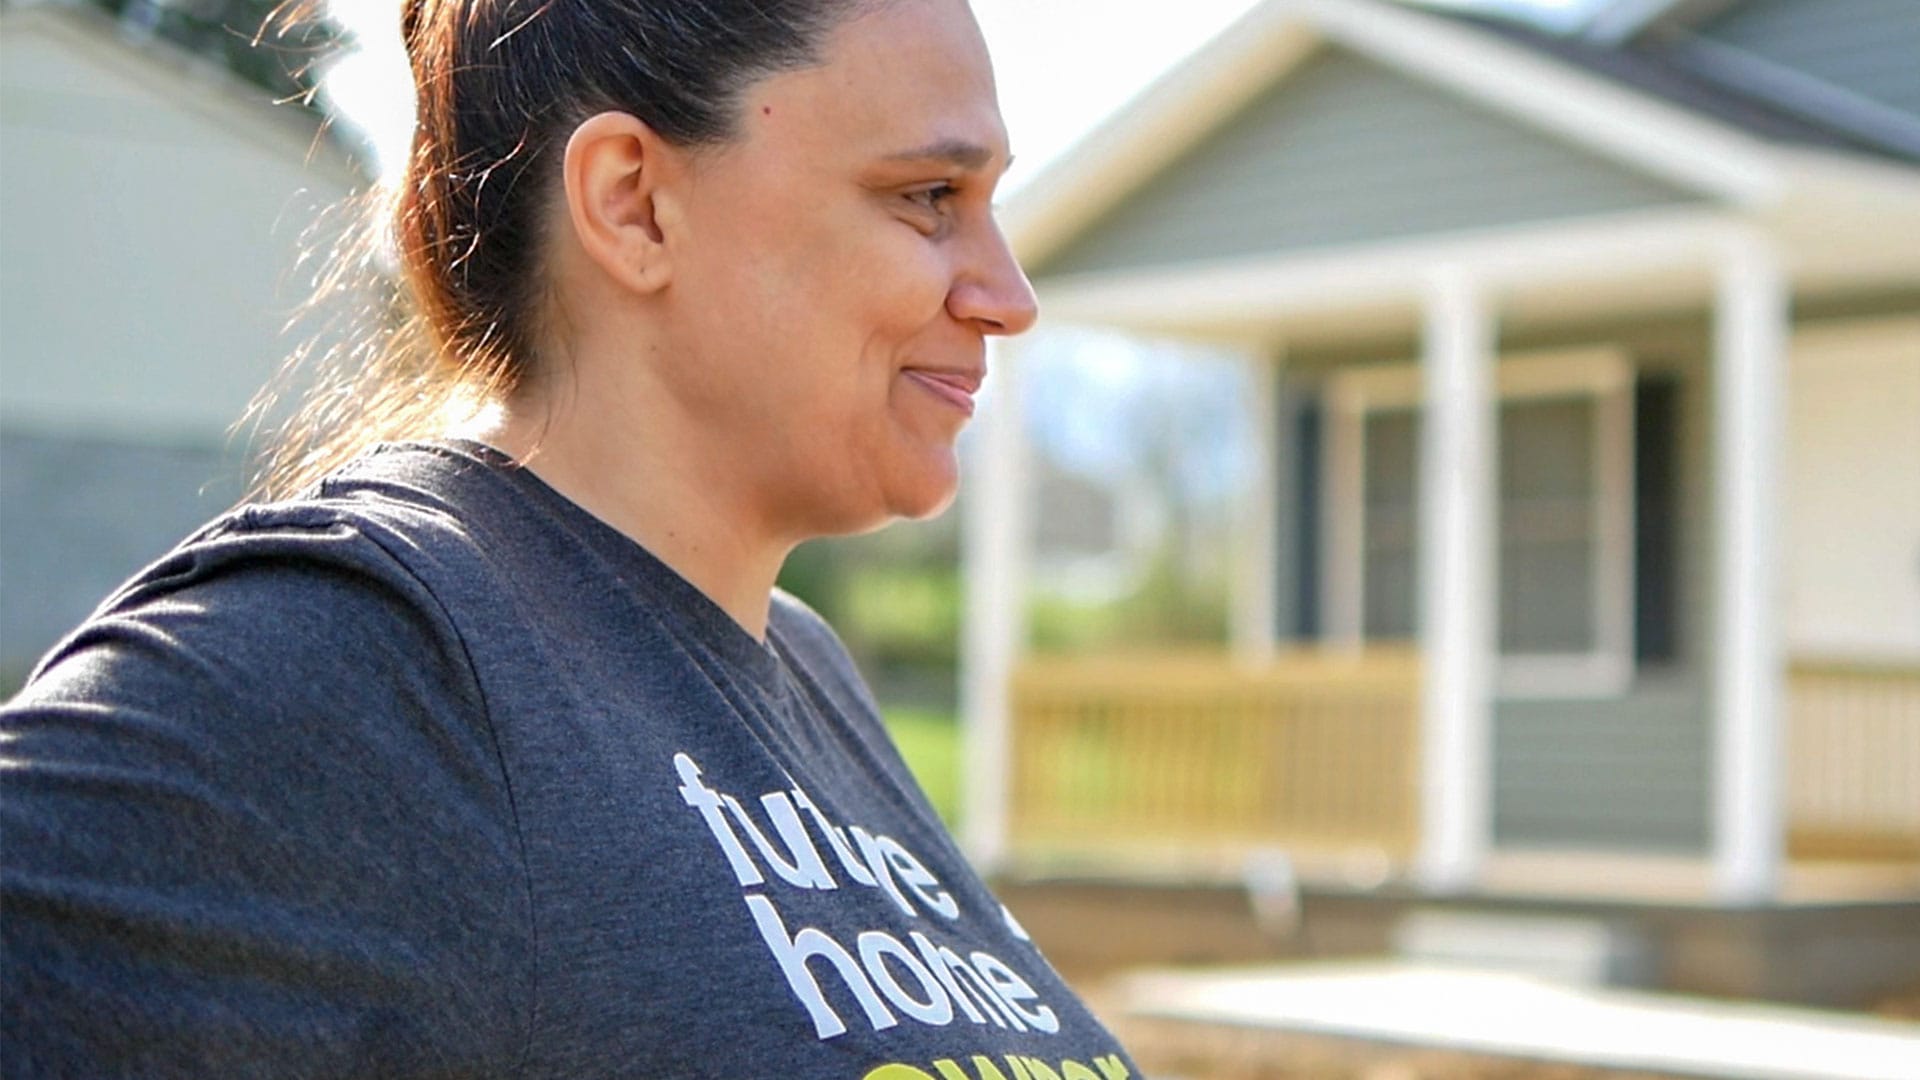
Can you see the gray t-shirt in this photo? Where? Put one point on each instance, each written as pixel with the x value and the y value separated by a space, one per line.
pixel 431 773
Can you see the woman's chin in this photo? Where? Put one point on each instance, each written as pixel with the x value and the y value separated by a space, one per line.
pixel 918 485
pixel 913 494
pixel 932 490
pixel 931 506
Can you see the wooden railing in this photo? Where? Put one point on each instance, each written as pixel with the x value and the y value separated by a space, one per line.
pixel 1200 757
pixel 1853 760
pixel 1200 760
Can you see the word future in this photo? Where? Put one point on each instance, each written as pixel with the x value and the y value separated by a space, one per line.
pixel 939 984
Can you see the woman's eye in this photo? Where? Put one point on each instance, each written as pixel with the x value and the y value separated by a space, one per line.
pixel 934 197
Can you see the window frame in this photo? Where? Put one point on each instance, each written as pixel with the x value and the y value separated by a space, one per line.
pixel 1603 374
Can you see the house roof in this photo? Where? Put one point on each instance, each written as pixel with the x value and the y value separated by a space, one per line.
pixel 1660 59
pixel 1621 21
pixel 1643 104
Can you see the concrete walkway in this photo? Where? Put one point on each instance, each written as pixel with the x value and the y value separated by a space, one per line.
pixel 1516 1016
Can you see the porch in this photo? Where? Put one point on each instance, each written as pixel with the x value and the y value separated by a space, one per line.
pixel 1518 574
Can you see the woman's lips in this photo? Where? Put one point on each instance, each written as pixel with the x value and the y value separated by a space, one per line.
pixel 956 388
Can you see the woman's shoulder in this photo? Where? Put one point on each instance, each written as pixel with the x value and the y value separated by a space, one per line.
pixel 268 757
pixel 373 543
pixel 397 509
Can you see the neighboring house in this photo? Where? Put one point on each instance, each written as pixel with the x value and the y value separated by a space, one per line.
pixel 152 208
pixel 1098 539
pixel 1601 351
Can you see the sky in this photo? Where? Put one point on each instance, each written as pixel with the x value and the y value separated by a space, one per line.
pixel 1060 68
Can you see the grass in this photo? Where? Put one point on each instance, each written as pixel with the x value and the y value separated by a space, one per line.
pixel 930 741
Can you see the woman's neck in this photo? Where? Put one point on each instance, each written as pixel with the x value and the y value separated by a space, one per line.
pixel 647 477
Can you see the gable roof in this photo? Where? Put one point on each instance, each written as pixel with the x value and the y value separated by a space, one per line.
pixel 1701 77
pixel 1840 74
pixel 1623 21
pixel 1668 121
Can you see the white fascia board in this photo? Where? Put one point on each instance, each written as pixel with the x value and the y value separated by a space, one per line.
pixel 1261 289
pixel 216 95
pixel 1646 134
pixel 1161 123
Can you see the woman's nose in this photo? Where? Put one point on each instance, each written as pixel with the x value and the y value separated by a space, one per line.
pixel 994 293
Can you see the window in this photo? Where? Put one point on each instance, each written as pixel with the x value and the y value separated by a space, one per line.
pixel 1565 511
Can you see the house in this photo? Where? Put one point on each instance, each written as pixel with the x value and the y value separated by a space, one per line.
pixel 1586 557
pixel 155 209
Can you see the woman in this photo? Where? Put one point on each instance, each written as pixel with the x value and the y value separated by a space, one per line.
pixel 496 753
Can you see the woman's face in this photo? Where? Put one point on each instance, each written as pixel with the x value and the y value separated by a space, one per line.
pixel 838 270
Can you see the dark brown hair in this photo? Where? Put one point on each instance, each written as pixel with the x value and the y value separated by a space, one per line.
pixel 499 85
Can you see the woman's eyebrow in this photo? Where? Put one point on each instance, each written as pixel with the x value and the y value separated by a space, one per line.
pixel 960 152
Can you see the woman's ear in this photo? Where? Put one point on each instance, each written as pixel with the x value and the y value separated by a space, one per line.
pixel 612 173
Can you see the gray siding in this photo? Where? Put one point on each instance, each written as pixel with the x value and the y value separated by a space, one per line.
pixel 1626 773
pixel 1346 151
pixel 80 517
pixel 1871 47
pixel 1633 772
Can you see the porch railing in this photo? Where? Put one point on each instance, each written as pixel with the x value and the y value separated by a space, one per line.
pixel 1197 757
pixel 1853 760
pixel 1192 759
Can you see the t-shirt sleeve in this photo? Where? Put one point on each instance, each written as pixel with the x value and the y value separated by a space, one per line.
pixel 255 825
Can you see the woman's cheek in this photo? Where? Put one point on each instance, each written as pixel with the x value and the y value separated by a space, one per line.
pixel 918 279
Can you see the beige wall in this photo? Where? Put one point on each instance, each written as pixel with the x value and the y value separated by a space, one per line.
pixel 1852 499
pixel 149 219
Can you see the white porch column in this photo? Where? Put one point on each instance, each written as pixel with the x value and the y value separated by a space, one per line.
pixel 996 545
pixel 1254 603
pixel 1751 326
pixel 1458 537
